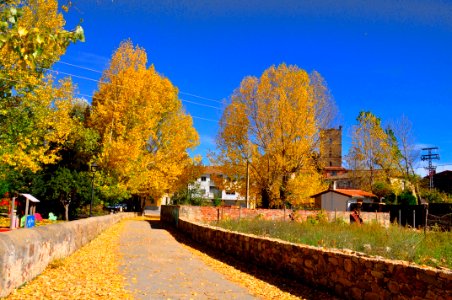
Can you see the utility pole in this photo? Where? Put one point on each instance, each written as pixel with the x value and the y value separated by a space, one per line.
pixel 247 184
pixel 247 196
pixel 429 157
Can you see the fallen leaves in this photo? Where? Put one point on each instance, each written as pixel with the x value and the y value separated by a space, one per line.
pixel 89 273
pixel 260 283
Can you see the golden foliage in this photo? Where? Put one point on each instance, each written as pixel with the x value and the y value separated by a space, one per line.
pixel 145 132
pixel 33 35
pixel 34 115
pixel 35 125
pixel 374 155
pixel 273 122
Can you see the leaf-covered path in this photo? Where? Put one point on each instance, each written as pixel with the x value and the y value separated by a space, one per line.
pixel 158 267
pixel 138 259
pixel 161 263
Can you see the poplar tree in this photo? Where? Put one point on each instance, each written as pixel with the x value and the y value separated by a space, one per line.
pixel 144 130
pixel 273 123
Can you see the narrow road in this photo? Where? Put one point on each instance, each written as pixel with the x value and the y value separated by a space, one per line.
pixel 158 267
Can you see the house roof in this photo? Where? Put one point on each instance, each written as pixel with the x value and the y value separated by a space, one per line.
pixel 211 170
pixel 334 169
pixel 348 192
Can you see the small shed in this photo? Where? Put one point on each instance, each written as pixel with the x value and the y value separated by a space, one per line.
pixel 341 199
pixel 30 204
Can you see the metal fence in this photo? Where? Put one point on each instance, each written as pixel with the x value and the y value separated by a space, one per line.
pixel 434 214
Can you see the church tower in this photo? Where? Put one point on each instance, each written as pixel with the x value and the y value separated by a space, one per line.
pixel 331 147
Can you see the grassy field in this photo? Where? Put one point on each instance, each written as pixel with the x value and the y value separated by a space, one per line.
pixel 433 249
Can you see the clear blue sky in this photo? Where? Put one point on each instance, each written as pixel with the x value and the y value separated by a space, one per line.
pixel 393 58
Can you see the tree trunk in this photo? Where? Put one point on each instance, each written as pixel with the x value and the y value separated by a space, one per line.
pixel 265 198
pixel 283 190
pixel 66 212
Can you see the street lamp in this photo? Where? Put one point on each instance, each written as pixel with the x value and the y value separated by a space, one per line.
pixel 93 168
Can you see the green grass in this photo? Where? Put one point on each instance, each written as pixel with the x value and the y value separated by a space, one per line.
pixel 433 249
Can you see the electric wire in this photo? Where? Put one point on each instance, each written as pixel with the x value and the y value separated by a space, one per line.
pixel 121 86
pixel 91 96
pixel 100 72
pixel 183 100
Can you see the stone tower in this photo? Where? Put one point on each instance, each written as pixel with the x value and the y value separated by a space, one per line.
pixel 331 147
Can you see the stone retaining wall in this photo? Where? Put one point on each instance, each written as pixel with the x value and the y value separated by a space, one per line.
pixel 347 274
pixel 208 214
pixel 25 253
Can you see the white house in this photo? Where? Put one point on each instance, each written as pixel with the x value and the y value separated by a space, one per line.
pixel 210 190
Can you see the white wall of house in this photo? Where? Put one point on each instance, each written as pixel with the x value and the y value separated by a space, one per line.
pixel 333 201
pixel 205 182
pixel 229 195
pixel 207 185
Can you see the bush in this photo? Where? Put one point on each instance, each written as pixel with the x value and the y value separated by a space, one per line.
pixel 433 196
pixel 407 198
pixel 216 201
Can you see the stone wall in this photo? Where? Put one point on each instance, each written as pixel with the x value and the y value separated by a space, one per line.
pixel 25 253
pixel 208 214
pixel 347 274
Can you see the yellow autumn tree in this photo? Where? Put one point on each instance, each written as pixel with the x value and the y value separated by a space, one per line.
pixel 34 111
pixel 374 155
pixel 144 130
pixel 273 123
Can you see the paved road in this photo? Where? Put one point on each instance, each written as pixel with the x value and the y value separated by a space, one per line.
pixel 158 267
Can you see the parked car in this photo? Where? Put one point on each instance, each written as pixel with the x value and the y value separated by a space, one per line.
pixel 117 207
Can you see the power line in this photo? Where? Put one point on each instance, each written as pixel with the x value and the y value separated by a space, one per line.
pixel 429 157
pixel 91 96
pixel 99 72
pixel 200 97
pixel 201 104
pixel 80 67
pixel 102 82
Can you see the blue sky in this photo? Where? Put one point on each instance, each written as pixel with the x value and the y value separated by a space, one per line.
pixel 393 58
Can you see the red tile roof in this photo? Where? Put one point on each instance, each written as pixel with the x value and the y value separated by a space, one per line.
pixel 355 193
pixel 211 170
pixel 349 193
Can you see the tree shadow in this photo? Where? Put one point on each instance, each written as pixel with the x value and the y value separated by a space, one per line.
pixel 156 224
pixel 283 282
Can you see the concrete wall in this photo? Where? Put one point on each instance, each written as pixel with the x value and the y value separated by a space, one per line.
pixel 348 274
pixel 207 214
pixel 25 253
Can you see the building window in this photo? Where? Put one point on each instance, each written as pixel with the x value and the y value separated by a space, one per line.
pixel 230 192
pixel 203 178
pixel 331 164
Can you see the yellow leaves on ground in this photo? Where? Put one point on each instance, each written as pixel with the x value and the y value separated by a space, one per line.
pixel 90 273
pixel 258 281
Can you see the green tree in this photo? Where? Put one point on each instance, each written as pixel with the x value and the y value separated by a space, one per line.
pixel 63 186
